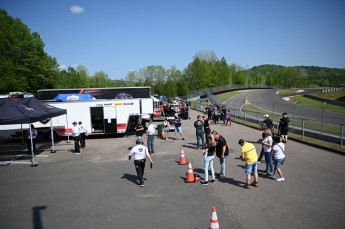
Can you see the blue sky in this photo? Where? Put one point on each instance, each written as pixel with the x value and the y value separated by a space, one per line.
pixel 119 36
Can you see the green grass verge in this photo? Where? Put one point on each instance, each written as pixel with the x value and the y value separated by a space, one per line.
pixel 227 95
pixel 288 91
pixel 336 95
pixel 303 101
pixel 326 128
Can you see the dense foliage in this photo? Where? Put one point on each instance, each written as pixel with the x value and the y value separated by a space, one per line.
pixel 25 66
pixel 298 76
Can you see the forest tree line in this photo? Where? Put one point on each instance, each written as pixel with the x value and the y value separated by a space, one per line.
pixel 25 66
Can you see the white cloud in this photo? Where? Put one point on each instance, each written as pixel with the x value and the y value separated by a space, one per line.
pixel 76 9
pixel 62 67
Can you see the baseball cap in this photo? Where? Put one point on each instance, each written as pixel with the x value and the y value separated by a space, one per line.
pixel 266 115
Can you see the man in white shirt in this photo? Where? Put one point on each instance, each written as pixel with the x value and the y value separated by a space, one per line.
pixel 76 135
pixel 140 153
pixel 151 130
pixel 83 134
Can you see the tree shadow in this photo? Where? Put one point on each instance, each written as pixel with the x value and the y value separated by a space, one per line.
pixel 130 177
pixel 36 216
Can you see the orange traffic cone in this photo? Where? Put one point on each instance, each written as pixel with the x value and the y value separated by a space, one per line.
pixel 190 176
pixel 214 220
pixel 182 158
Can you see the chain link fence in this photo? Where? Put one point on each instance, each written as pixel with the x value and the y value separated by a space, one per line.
pixel 325 132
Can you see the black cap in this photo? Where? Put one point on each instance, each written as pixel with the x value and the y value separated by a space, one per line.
pixel 241 141
pixel 284 113
pixel 74 122
pixel 139 141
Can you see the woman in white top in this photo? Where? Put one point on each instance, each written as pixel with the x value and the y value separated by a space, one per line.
pixel 267 146
pixel 278 152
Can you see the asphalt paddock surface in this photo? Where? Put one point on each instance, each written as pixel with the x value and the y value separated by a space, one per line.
pixel 99 189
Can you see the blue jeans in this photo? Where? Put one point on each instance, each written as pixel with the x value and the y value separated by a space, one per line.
pixel 209 163
pixel 150 143
pixel 251 168
pixel 269 162
pixel 198 137
pixel 222 166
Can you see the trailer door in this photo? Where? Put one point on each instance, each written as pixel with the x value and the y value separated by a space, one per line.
pixel 146 106
pixel 110 119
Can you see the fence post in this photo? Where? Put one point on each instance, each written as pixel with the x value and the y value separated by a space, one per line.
pixel 342 137
pixel 293 115
pixel 303 129
pixel 323 111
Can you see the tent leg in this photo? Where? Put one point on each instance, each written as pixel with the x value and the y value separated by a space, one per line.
pixel 33 163
pixel 52 150
pixel 67 128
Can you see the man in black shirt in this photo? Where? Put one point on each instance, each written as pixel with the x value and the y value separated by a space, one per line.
pixel 199 132
pixel 222 151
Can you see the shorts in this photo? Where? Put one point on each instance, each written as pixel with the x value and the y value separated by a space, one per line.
pixel 251 168
pixel 278 162
pixel 178 129
pixel 284 131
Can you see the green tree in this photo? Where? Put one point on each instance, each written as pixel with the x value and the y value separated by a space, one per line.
pixel 23 63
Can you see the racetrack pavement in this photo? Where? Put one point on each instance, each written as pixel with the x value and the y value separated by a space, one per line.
pixel 98 188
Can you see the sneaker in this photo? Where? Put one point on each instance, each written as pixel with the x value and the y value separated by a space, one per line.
pixel 204 183
pixel 213 181
pixel 255 184
pixel 77 153
pixel 246 186
pixel 282 179
pixel 142 185
pixel 259 162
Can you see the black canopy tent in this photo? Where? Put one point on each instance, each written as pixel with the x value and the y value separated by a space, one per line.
pixel 52 111
pixel 13 112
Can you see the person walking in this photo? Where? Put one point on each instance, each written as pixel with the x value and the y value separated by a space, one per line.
pixel 76 136
pixel 223 114
pixel 267 143
pixel 140 153
pixel 178 126
pixel 228 117
pixel 284 127
pixel 207 127
pixel 139 130
pixel 151 130
pixel 208 159
pixel 32 137
pixel 83 133
pixel 222 151
pixel 199 132
pixel 166 126
pixel 248 154
pixel 278 152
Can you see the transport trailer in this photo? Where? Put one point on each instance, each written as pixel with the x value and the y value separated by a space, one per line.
pixel 114 116
pixel 98 93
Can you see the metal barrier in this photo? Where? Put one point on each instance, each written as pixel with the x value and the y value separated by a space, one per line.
pixel 324 131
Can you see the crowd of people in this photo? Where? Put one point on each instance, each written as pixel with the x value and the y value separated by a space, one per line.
pixel 214 144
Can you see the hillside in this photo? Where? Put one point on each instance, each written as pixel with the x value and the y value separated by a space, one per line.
pixel 298 76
